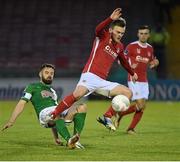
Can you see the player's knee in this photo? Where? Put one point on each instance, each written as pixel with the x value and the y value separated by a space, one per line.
pixel 141 106
pixel 82 108
pixel 129 93
pixel 78 94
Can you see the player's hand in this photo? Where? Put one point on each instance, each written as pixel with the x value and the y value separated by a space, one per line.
pixel 116 14
pixel 134 77
pixel 154 63
pixel 7 125
pixel 133 66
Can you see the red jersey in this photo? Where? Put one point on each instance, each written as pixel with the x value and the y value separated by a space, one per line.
pixel 105 52
pixel 140 55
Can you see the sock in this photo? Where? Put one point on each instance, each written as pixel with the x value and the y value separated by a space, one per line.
pixel 137 117
pixel 79 120
pixel 130 110
pixel 64 104
pixel 62 129
pixel 110 112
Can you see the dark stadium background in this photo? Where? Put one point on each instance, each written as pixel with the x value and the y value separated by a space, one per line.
pixel 61 32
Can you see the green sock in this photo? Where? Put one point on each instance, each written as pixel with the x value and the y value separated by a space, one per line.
pixel 79 120
pixel 62 129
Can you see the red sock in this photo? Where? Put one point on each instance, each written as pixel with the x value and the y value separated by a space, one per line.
pixel 64 104
pixel 137 117
pixel 110 112
pixel 130 110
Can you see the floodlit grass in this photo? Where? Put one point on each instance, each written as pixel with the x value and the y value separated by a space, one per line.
pixel 158 136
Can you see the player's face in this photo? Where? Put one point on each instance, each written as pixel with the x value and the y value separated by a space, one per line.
pixel 143 35
pixel 47 75
pixel 117 33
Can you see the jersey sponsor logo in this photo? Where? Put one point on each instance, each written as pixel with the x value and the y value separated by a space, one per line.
pixel 46 94
pixel 108 50
pixel 142 59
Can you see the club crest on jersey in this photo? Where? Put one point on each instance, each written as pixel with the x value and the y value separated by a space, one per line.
pixel 108 50
pixel 46 94
pixel 126 52
pixel 138 50
pixel 149 54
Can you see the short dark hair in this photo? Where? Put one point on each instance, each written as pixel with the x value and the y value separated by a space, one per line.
pixel 47 65
pixel 142 27
pixel 120 22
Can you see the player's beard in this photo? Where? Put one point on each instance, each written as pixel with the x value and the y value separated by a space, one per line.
pixel 47 80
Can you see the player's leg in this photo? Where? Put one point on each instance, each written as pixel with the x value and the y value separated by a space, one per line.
pixel 79 118
pixel 86 85
pixel 63 131
pixel 44 122
pixel 140 104
pixel 68 101
pixel 77 113
pixel 113 90
pixel 120 89
pixel 59 124
pixel 140 93
pixel 55 135
pixel 132 108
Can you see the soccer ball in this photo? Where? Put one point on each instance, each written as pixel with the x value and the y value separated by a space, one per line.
pixel 120 103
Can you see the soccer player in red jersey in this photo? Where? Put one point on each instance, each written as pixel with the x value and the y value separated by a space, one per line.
pixel 107 48
pixel 140 55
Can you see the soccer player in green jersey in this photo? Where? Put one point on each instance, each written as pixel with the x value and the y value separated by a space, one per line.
pixel 44 100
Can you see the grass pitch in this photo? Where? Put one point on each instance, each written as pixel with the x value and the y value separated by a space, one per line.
pixel 158 136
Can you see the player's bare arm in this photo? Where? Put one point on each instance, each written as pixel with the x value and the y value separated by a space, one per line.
pixel 17 111
pixel 116 14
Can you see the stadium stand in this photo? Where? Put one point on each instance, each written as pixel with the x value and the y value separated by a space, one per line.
pixel 58 32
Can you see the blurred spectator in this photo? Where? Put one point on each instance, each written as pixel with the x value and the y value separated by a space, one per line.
pixel 159 40
pixel 164 10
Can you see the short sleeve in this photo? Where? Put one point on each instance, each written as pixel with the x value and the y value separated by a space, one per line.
pixel 27 93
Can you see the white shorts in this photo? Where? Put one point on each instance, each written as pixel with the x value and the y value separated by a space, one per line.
pixel 44 115
pixel 96 84
pixel 140 90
